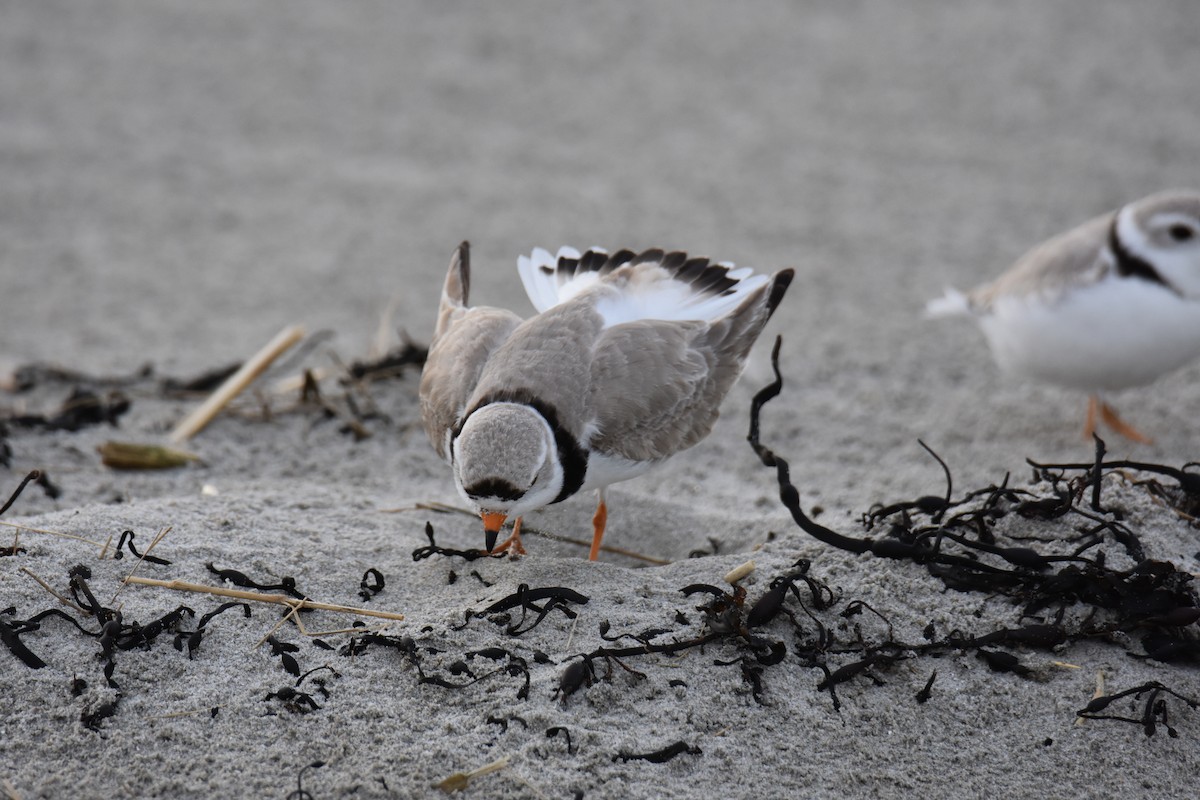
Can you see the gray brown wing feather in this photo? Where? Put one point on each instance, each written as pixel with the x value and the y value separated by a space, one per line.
pixel 657 386
pixel 1069 260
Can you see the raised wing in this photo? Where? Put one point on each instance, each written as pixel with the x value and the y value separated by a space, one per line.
pixel 681 288
pixel 657 385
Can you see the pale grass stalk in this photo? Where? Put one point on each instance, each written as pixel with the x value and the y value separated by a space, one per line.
pixel 196 421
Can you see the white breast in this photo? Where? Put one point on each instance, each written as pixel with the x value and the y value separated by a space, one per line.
pixel 604 470
pixel 1110 335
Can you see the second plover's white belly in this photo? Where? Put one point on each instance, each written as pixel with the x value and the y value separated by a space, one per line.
pixel 1111 335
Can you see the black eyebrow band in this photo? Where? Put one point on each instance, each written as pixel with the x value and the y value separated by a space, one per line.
pixel 494 487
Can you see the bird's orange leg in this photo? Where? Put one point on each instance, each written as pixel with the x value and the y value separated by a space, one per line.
pixel 512 543
pixel 1109 415
pixel 1089 423
pixel 598 523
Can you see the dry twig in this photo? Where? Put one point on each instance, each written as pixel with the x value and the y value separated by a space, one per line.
pixel 51 533
pixel 193 423
pixel 277 599
pixel 50 589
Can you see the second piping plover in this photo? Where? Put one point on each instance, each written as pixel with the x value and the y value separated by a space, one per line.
pixel 625 365
pixel 1111 304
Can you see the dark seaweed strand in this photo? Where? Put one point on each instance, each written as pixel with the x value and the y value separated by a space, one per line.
pixel 433 548
pixel 391 363
pixel 732 621
pixel 372 583
pixel 937 517
pixel 525 598
pixel 32 476
pixel 1188 481
pixel 287 584
pixel 9 635
pixel 301 793
pixel 555 730
pixel 919 549
pixel 1144 596
pixel 661 755
pixel 1154 709
pixel 126 540
pixel 787 492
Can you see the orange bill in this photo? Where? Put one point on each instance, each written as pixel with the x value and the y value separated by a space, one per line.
pixel 492 521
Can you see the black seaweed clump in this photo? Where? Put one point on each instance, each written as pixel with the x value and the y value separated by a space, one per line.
pixel 82 409
pixel 956 541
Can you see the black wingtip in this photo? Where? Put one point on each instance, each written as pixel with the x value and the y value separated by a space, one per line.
pixel 697 271
pixel 463 258
pixel 780 282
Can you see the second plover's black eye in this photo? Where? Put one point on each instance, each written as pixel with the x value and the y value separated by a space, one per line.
pixel 1180 232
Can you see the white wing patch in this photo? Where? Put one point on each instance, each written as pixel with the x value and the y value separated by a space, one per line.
pixel 649 291
pixel 541 278
pixel 653 293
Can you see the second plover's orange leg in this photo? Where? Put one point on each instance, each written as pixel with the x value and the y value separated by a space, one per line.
pixel 1109 415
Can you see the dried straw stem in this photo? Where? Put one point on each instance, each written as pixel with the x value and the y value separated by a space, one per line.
pixel 51 590
pixel 161 535
pixel 278 599
pixel 193 423
pixel 51 533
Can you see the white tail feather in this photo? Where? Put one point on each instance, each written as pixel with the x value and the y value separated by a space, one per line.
pixel 952 304
pixel 651 294
pixel 665 298
pixel 542 284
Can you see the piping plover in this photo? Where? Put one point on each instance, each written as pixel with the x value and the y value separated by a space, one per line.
pixel 625 364
pixel 1111 304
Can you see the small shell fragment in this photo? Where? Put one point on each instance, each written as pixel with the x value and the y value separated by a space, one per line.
pixel 460 780
pixel 737 573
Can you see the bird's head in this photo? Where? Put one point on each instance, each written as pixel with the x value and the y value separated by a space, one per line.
pixel 506 464
pixel 1164 231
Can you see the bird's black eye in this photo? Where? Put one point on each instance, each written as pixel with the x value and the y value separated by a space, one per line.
pixel 1180 232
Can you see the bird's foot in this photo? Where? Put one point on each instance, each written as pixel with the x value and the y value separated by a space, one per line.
pixel 512 545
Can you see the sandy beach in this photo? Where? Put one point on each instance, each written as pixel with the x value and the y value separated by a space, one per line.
pixel 182 181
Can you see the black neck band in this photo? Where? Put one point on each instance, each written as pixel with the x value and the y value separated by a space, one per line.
pixel 1131 266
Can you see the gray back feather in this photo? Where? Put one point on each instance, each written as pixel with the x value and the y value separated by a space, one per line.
pixel 657 386
pixel 1070 259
